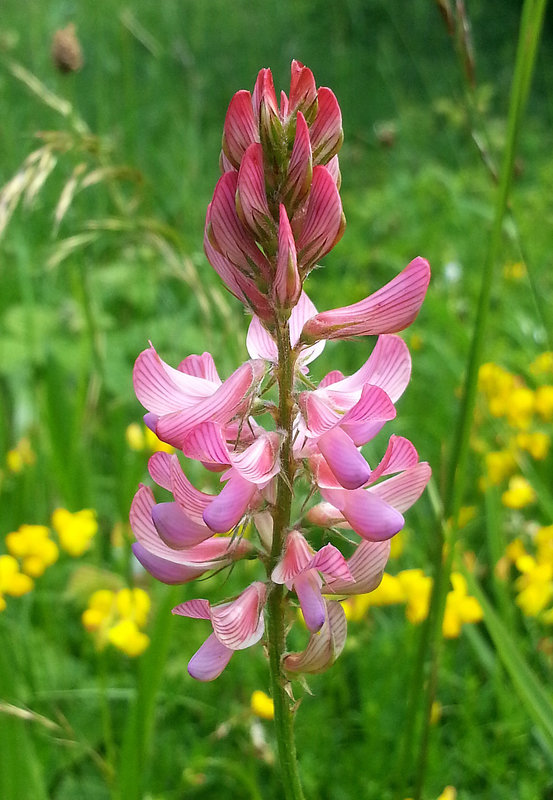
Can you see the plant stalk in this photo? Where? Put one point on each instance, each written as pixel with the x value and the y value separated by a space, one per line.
pixel 276 633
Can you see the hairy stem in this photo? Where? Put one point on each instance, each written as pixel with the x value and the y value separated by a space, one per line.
pixel 276 634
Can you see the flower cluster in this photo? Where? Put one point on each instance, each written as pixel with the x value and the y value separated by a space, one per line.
pixel 522 415
pixel 117 618
pixel 13 581
pixel 75 530
pixel 535 584
pixel 276 211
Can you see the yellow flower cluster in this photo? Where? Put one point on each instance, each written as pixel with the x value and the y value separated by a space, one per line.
pixel 117 618
pixel 31 544
pixel 21 456
pixel 413 588
pixel 140 438
pixel 535 583
pixel 75 530
pixel 13 582
pixel 508 397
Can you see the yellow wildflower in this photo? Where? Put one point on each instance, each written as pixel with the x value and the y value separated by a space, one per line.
pixel 262 705
pixel 544 402
pixel 537 444
pixel 117 617
pixel 435 712
pixel 542 364
pixel 519 494
pixel 544 545
pixel 499 465
pixel 12 581
pixel 387 593
pixel 515 550
pixel 32 544
pixel 356 606
pixel 397 544
pixel 75 531
pixel 449 793
pixel 460 608
pixel 535 585
pixel 126 636
pixel 416 587
pixel 520 407
pixel 21 456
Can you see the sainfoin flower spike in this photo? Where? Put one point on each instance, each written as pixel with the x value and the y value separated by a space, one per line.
pixel 275 213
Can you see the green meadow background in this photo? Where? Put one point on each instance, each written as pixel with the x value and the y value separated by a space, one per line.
pixel 89 276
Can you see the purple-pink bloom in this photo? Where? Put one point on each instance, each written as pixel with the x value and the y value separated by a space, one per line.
pixel 236 626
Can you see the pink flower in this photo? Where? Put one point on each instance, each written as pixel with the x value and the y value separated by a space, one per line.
pixel 376 511
pixel 299 569
pixel 179 399
pixel 236 626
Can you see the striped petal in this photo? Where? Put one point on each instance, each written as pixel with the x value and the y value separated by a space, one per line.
pixel 366 565
pixel 403 490
pixel 240 624
pixel 389 367
pixel 162 389
pixel 259 462
pixel 388 310
pixel 297 556
pixel 251 196
pixel 195 609
pixel 366 418
pixel 326 131
pixel 201 366
pixel 370 516
pixel 300 167
pixel 331 563
pixel 287 282
pixel 399 456
pixel 191 500
pixel 324 222
pixel 324 647
pixel 159 467
pixel 240 128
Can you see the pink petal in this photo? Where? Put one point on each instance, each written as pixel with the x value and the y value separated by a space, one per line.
pixel 201 366
pixel 175 528
pixel 165 570
pixel 159 467
pixel 264 92
pixel 287 283
pixel 303 92
pixel 251 197
pixel 389 367
pixel 240 128
pixel 331 563
pixel 240 624
pixel 390 309
pixel 228 235
pixel 260 343
pixel 365 419
pixel 326 131
pixel 333 166
pixel 324 221
pixel 210 660
pixel 308 588
pixel 300 167
pixel 372 520
pixel 195 609
pixel 324 647
pixel 206 443
pixel 403 490
pixel 325 515
pixel 226 270
pixel 344 459
pixel 191 500
pixel 400 455
pixel 330 378
pixel 259 462
pixel 220 407
pixel 297 555
pixel 366 565
pixel 230 505
pixel 162 389
pixel 318 413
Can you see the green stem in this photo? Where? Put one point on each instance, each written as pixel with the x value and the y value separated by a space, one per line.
pixel 276 633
